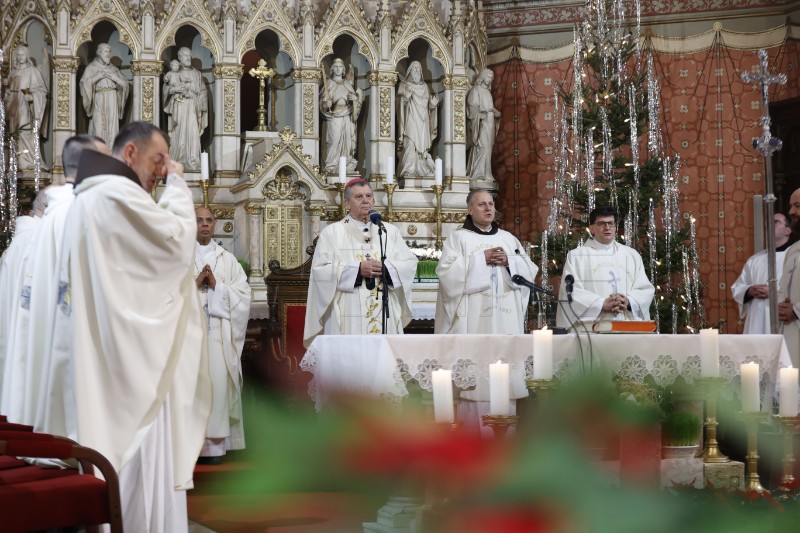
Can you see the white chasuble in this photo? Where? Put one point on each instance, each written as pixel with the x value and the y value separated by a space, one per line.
pixel 336 306
pixel 227 308
pixel 138 332
pixel 478 298
pixel 601 270
pixel 755 311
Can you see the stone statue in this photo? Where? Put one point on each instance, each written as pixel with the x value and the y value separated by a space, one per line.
pixel 104 91
pixel 418 123
pixel 186 104
pixel 483 122
pixel 340 104
pixel 26 100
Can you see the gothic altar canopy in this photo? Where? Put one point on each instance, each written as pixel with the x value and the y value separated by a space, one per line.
pixel 277 93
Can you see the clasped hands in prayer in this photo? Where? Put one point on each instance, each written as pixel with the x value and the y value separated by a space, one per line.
pixel 370 268
pixel 496 256
pixel 616 303
pixel 206 277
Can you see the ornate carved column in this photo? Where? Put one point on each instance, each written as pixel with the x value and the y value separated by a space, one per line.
pixel 226 123
pixel 146 90
pixel 455 119
pixel 382 117
pixel 307 82
pixel 65 69
pixel 256 254
pixel 316 210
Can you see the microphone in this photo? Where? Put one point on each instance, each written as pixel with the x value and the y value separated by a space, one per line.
pixel 519 280
pixel 569 279
pixel 375 218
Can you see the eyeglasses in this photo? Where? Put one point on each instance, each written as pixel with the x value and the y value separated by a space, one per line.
pixel 606 224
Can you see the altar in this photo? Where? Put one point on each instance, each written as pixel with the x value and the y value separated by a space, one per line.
pixel 383 366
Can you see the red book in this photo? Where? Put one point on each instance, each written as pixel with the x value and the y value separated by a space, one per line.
pixel 624 326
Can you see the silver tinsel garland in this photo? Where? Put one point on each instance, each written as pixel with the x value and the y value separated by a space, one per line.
pixel 3 176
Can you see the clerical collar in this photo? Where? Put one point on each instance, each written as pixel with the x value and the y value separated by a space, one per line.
pixel 470 225
pixel 594 243
pixel 93 163
pixel 783 247
pixel 204 247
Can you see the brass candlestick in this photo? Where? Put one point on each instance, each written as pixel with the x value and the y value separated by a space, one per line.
pixel 340 187
pixel 262 73
pixel 711 453
pixel 437 189
pixel 788 425
pixel 541 387
pixel 204 186
pixel 499 424
pixel 389 192
pixel 752 420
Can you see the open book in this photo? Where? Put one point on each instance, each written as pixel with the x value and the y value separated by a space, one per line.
pixel 624 326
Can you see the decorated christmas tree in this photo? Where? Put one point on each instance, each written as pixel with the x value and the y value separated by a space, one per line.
pixel 609 151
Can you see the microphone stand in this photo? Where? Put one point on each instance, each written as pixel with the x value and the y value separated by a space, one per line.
pixel 384 286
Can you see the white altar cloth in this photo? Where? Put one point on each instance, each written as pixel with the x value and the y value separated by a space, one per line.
pixel 380 366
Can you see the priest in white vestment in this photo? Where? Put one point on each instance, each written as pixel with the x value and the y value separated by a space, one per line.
pixel 476 291
pixel 751 288
pixel 610 280
pixel 141 385
pixel 344 293
pixel 225 297
pixel 789 287
pixel 46 377
pixel 10 289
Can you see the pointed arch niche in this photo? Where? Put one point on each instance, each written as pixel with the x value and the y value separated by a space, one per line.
pixel 346 48
pixel 279 99
pixel 107 32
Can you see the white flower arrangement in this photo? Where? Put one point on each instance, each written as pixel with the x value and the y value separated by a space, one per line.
pixel 424 253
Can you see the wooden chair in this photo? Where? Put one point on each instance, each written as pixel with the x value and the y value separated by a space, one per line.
pixel 33 498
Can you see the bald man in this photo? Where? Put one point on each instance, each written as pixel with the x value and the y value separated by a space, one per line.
pixel 789 287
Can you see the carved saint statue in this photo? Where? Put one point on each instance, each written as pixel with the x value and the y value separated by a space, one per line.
pixel 104 91
pixel 483 122
pixel 186 103
pixel 26 100
pixel 418 123
pixel 340 103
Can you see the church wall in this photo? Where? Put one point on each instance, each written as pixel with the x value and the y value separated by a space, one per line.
pixel 709 118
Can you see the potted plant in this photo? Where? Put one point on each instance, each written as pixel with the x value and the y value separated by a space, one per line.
pixel 428 261
pixel 680 432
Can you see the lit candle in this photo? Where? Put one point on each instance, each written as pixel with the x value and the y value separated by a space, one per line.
pixel 389 170
pixel 437 176
pixel 442 396
pixel 709 353
pixel 543 354
pixel 343 169
pixel 788 392
pixel 751 388
pixel 204 166
pixel 499 395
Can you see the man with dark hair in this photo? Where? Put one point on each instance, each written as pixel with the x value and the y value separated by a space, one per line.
pixel 609 278
pixel 789 287
pixel 750 290
pixel 140 382
pixel 346 275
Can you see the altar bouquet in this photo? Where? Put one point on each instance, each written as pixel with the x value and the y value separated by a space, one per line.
pixel 428 260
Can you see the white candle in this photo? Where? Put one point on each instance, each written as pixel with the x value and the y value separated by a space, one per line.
pixel 442 396
pixel 709 353
pixel 343 169
pixel 543 354
pixel 788 392
pixel 389 170
pixel 499 395
pixel 751 388
pixel 437 176
pixel 204 166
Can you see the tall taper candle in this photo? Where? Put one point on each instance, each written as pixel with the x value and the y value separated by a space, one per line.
pixel 787 405
pixel 751 388
pixel 442 396
pixel 709 353
pixel 390 170
pixel 204 166
pixel 437 175
pixel 499 395
pixel 543 354
pixel 343 169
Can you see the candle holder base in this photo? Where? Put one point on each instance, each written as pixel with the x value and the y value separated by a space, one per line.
pixel 453 425
pixel 711 451
pixel 788 425
pixel 500 424
pixel 752 420
pixel 541 387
